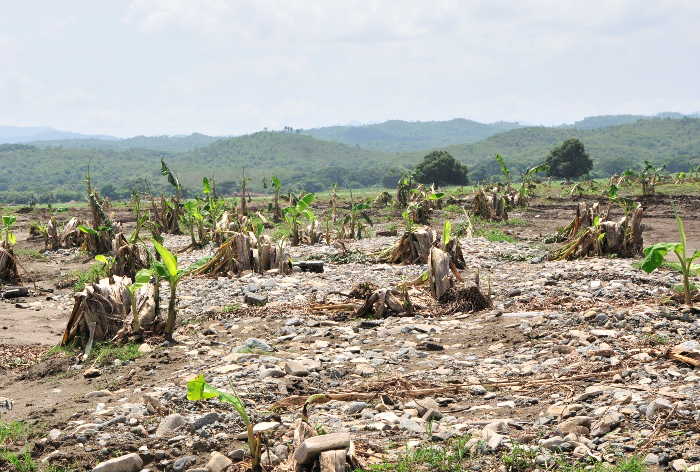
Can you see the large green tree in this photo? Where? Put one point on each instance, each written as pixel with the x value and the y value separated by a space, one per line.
pixel 440 168
pixel 569 160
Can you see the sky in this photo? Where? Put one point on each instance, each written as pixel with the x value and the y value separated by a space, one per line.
pixel 223 67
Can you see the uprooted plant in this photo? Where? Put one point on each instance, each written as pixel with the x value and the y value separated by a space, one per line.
pixel 654 258
pixel 198 389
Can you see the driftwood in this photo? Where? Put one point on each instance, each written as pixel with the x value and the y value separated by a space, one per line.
pixel 490 206
pixel 8 265
pixel 687 352
pixel 103 312
pixel 591 234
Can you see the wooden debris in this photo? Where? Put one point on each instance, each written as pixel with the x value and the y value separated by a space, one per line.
pixel 128 258
pixel 414 248
pixel 244 252
pixel 465 299
pixel 687 352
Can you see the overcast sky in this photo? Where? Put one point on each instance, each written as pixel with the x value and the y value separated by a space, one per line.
pixel 229 67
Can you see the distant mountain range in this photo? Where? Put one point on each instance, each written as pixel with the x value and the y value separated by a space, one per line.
pixel 27 134
pixel 388 136
pixel 396 135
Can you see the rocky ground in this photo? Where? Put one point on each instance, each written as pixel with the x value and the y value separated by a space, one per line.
pixel 575 364
pixel 571 364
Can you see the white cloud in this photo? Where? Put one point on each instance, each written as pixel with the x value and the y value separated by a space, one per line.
pixel 173 66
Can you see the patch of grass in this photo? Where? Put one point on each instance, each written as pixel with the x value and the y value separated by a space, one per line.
pixel 12 431
pixel 106 353
pixel 656 340
pixel 22 462
pixel 32 254
pixel 83 277
pixel 632 464
pixel 449 458
pixel 453 209
pixel 494 235
pixel 59 349
pixel 519 459
pixel 231 308
pixel 680 289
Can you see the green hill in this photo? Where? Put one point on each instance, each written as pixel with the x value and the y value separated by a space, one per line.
pixel 300 161
pixel 303 162
pixel 396 135
pixel 153 143
pixel 674 142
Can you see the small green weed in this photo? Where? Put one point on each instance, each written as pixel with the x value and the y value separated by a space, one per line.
pixel 12 431
pixel 83 277
pixel 453 208
pixel 231 308
pixel 106 353
pixel 519 459
pixel 19 462
pixel 449 458
pixel 494 235
pixel 32 254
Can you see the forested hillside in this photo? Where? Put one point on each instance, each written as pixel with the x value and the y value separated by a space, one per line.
pixel 153 143
pixel 55 173
pixel 396 135
pixel 674 142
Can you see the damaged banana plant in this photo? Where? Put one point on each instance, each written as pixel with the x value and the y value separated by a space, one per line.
pixel 591 234
pixel 8 261
pixel 114 309
pixel 414 247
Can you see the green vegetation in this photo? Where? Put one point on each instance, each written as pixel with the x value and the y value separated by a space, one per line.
pixel 674 142
pixel 198 389
pixel 32 254
pixel 494 235
pixel 7 237
pixel 91 275
pixel 455 456
pixel 397 135
pixel 58 172
pixel 440 168
pixel 654 258
pixel 569 160
pixel 106 353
